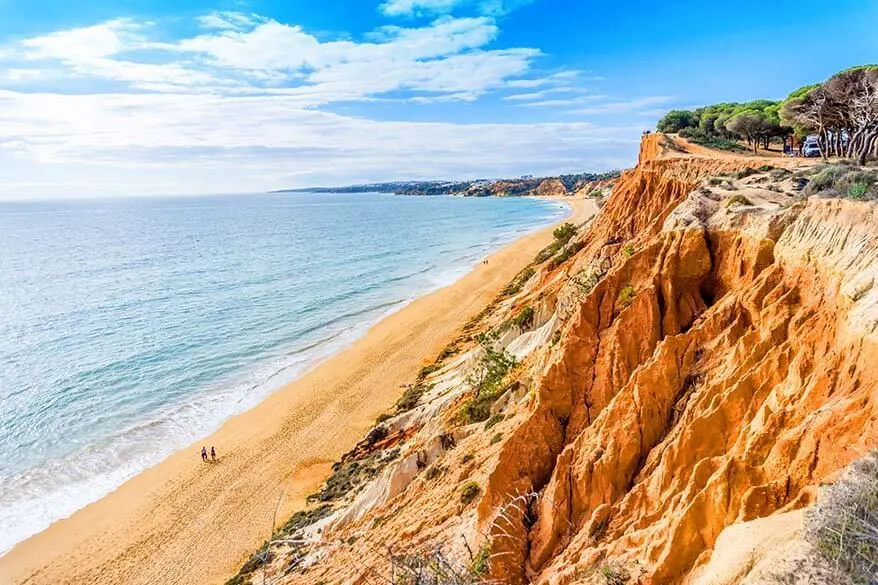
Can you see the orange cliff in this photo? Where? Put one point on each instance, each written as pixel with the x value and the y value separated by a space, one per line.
pixel 698 356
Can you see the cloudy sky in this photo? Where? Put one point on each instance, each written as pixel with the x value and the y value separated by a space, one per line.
pixel 133 97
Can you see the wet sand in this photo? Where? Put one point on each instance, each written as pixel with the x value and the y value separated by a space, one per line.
pixel 188 522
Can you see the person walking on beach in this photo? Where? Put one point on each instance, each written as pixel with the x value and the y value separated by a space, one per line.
pixel 212 454
pixel 204 454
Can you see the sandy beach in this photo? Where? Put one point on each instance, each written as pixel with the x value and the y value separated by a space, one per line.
pixel 186 522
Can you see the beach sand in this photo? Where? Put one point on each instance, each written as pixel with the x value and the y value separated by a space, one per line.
pixel 187 522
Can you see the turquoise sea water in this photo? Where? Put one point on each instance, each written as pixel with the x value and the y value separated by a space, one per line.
pixel 130 329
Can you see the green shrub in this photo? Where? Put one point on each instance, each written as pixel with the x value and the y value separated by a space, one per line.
pixel 383 417
pixel 715 181
pixel 842 181
pixel 496 439
pixel 626 296
pixel 744 173
pixel 525 318
pixel 494 420
pixel 765 168
pixel 411 397
pixel 487 381
pixel 548 252
pixel 469 492
pixel 433 472
pixel 481 563
pixel 568 252
pixel 427 370
pixel 564 232
pixel 857 190
pixel 448 351
pixel 519 281
pixel 467 458
pixel 699 136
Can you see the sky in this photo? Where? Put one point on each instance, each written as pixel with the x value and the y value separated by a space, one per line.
pixel 166 97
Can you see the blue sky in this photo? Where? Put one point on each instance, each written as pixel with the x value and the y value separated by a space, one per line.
pixel 159 97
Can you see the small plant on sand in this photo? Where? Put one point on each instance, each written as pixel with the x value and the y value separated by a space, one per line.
pixel 744 173
pixel 519 281
pixel 411 397
pixel 469 492
pixel 467 458
pixel 383 417
pixel 496 419
pixel 738 200
pixel 615 574
pixel 626 296
pixel 496 438
pixel 433 472
pixel 628 251
pixel 586 280
pixel 715 181
pixel 427 370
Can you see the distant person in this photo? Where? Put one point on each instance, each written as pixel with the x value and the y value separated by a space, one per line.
pixel 204 454
pixel 213 453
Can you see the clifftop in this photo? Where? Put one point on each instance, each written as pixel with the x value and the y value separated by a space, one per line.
pixel 654 399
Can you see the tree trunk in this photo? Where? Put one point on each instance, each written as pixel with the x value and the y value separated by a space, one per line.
pixel 867 147
pixel 853 143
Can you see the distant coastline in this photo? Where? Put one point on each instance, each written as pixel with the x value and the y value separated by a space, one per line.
pixel 560 185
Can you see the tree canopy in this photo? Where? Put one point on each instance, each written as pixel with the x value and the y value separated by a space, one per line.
pixel 757 122
pixel 843 111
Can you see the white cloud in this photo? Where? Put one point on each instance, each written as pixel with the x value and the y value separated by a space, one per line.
pixel 241 106
pixel 201 143
pixel 542 94
pixel 83 44
pixel 428 7
pixel 623 106
pixel 411 7
pixel 228 20
pixel 247 54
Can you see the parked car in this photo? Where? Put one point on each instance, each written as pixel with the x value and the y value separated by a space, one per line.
pixel 811 149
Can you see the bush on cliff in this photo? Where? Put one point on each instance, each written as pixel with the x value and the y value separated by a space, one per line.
pixel 469 492
pixel 563 234
pixel 487 381
pixel 844 181
pixel 843 526
pixel 519 281
pixel 525 318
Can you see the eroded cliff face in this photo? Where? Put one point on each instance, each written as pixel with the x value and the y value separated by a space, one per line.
pixel 691 363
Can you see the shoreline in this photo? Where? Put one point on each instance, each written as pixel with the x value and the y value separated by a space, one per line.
pixel 182 521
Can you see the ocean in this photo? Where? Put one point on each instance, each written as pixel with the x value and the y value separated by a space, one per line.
pixel 131 328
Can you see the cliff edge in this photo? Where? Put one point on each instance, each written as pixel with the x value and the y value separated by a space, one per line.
pixel 655 399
